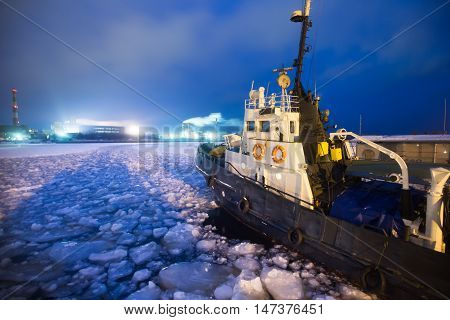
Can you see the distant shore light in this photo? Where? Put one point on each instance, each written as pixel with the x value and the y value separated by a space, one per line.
pixel 132 130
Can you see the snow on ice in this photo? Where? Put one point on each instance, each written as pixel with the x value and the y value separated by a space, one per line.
pixel 115 221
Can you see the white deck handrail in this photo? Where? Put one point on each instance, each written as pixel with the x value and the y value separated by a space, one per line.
pixel 390 153
pixel 273 101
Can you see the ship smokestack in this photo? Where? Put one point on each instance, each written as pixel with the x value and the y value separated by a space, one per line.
pixel 15 108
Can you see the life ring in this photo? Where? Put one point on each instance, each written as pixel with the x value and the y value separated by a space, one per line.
pixel 244 205
pixel 279 154
pixel 295 237
pixel 259 151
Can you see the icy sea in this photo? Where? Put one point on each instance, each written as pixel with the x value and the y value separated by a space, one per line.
pixel 127 221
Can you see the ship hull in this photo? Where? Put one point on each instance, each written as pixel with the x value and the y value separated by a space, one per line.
pixel 390 267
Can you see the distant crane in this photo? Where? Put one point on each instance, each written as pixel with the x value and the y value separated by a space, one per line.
pixel 445 115
pixel 360 124
pixel 15 108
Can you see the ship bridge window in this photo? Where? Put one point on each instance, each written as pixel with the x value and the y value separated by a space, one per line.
pixel 265 126
pixel 292 126
pixel 250 125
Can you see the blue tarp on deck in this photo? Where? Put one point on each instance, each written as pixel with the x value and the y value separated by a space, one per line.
pixel 373 203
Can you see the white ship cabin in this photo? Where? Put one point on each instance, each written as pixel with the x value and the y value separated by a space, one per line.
pixel 268 151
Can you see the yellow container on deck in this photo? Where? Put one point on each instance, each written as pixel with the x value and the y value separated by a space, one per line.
pixel 336 154
pixel 322 149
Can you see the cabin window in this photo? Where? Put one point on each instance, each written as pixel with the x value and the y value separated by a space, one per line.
pixel 250 125
pixel 265 126
pixel 292 126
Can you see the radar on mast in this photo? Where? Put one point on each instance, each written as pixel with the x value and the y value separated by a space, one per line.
pixel 283 79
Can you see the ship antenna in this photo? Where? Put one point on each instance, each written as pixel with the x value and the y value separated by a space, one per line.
pixel 302 17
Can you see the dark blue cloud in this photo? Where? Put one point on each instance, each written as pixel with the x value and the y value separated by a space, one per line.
pixel 198 57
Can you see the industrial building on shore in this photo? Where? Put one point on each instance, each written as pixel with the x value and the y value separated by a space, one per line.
pixel 82 129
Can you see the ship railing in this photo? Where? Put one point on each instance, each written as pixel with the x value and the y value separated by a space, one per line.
pixel 284 102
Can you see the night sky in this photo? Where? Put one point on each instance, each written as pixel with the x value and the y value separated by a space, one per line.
pixel 199 57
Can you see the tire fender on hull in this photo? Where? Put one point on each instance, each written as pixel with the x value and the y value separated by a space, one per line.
pixel 373 279
pixel 244 205
pixel 211 181
pixel 295 237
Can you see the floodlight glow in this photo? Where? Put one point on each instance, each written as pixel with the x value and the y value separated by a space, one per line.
pixel 132 130
pixel 185 134
pixel 61 134
pixel 170 136
pixel 18 136
pixel 210 135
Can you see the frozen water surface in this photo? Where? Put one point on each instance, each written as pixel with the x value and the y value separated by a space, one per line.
pixel 126 221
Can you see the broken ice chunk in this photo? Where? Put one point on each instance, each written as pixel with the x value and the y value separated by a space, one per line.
pixel 120 270
pixel 141 275
pixel 223 292
pixel 71 252
pixel 245 263
pixel 351 293
pixel 282 284
pixel 196 276
pixel 126 239
pixel 88 222
pixel 180 295
pixel 91 272
pixel 249 287
pixel 280 261
pixel 245 248
pixel 144 253
pixel 149 292
pixel 181 238
pixel 206 245
pixel 109 256
pixel 36 227
pixel 159 232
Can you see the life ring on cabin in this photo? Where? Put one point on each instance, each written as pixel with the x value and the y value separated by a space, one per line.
pixel 259 150
pixel 295 237
pixel 279 154
pixel 244 205
pixel 373 279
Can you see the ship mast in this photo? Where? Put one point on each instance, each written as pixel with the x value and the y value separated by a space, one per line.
pixel 302 17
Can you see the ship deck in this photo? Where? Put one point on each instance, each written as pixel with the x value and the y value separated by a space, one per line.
pixel 418 172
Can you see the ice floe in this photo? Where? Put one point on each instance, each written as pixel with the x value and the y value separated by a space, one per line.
pixel 111 222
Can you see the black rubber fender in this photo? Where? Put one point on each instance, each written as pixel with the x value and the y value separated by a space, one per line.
pixel 211 181
pixel 295 236
pixel 373 279
pixel 244 205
